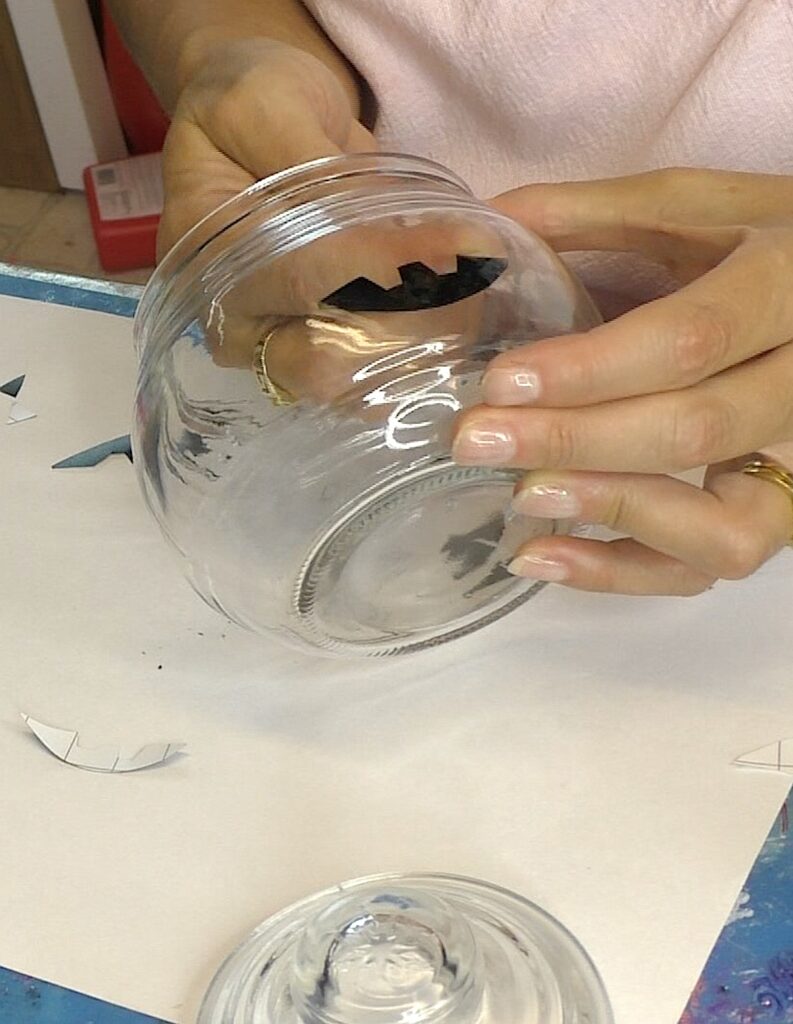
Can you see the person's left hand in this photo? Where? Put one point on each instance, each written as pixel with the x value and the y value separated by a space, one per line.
pixel 700 377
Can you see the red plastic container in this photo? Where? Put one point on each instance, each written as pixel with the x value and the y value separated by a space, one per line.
pixel 125 202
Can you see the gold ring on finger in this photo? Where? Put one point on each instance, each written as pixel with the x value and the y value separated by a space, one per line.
pixel 277 394
pixel 774 474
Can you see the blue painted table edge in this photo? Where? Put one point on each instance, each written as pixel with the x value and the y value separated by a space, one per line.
pixel 68 290
pixel 749 975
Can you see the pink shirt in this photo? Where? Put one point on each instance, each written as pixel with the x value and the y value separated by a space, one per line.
pixel 510 91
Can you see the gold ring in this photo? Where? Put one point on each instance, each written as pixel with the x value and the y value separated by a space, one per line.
pixel 774 474
pixel 277 394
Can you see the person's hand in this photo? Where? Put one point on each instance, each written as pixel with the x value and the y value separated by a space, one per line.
pixel 700 377
pixel 257 107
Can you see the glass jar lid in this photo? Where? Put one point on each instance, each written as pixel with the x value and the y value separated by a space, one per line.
pixel 409 949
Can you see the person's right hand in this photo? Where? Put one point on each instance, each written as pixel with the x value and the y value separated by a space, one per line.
pixel 255 107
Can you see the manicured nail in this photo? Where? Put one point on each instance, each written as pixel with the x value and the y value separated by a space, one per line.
pixel 535 567
pixel 477 446
pixel 547 500
pixel 510 387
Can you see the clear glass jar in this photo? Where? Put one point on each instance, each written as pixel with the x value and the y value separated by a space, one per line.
pixel 421 949
pixel 304 352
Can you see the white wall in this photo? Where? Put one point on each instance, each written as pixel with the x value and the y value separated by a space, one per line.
pixel 67 77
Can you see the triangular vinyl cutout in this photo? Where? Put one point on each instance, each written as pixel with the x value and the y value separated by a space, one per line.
pixel 93 456
pixel 12 387
pixel 775 757
pixel 18 413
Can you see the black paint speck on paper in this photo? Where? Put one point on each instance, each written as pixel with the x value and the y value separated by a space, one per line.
pixel 421 287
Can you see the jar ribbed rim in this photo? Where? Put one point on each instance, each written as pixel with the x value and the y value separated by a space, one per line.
pixel 283 185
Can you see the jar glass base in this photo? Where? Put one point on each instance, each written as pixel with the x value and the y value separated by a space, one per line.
pixel 415 562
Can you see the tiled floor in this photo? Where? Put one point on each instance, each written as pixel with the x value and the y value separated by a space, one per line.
pixel 52 232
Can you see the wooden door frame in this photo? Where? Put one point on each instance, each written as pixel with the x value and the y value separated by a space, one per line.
pixel 25 158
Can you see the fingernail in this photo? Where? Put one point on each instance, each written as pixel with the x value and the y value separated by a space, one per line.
pixel 547 500
pixel 535 567
pixel 481 447
pixel 510 387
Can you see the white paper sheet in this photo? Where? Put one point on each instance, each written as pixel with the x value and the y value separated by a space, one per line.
pixel 578 752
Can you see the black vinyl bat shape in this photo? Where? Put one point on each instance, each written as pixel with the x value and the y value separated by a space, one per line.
pixel 421 287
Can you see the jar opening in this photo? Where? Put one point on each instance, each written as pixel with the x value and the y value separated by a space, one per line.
pixel 286 205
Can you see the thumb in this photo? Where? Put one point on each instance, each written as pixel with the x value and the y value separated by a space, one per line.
pixel 199 175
